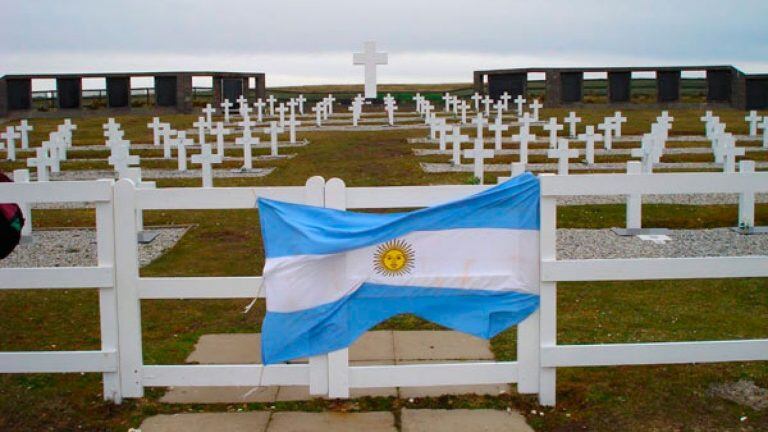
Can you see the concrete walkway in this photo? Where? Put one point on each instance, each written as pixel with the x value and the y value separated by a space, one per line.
pixel 377 347
pixel 378 421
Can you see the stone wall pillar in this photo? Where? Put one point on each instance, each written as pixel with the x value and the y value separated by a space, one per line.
pixel 553 89
pixel 184 93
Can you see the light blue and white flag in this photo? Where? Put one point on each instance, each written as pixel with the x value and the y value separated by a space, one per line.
pixel 471 265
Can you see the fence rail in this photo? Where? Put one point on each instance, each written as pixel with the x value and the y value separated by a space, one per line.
pixel 121 289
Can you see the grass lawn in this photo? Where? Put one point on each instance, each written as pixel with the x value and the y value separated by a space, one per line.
pixel 228 243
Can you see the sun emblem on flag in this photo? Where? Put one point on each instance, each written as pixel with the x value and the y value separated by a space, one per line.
pixel 394 258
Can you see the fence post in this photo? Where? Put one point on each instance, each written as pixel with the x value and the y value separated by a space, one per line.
pixel 634 201
pixel 548 296
pixel 318 365
pixel 338 361
pixel 126 285
pixel 22 176
pixel 105 244
pixel 747 198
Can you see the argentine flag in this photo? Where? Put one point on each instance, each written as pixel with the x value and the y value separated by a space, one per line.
pixel 471 265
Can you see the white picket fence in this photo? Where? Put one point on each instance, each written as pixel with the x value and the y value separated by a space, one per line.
pixel 538 355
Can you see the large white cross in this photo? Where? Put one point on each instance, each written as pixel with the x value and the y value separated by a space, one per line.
pixel 259 106
pixel 226 105
pixel 281 111
pixel 497 127
pixel 764 126
pixel 562 153
pixel 273 130
pixel 463 106
pixel 520 102
pixel 390 105
pixel 241 102
pixel 271 101
pixel 456 139
pixel 553 128
pixel 200 125
pixel 292 123
pixel 479 154
pixel 205 159
pixel 120 158
pixel 156 126
pixel 665 118
pixel 24 129
pixel 479 121
pixel 618 119
pixel 319 109
pixel 499 106
pixel 447 98
pixel 208 111
pixel 181 149
pixel 219 130
pixel 41 162
pixel 524 136
pixel 476 98
pixel 729 154
pixel 245 111
pixel 247 140
pixel 572 120
pixel 442 129
pixel 329 105
pixel 536 106
pixel 10 136
pixel 589 138
pixel 487 103
pixel 292 105
pixel 369 59
pixel 301 99
pixel 505 98
pixel 168 141
pixel 417 100
pixel 607 127
pixel 752 118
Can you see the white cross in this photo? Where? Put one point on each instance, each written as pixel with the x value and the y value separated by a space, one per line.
pixel 487 102
pixel 292 105
pixel 226 105
pixel 168 141
pixel 752 118
pixel 292 123
pixel 477 98
pixel 427 107
pixel 441 128
pixel 463 107
pixel 764 126
pixel 65 131
pixel 456 139
pixel 479 121
pixel 205 159
pixel 281 110
pixel 536 106
pixel 120 158
pixel 519 101
pixel 259 106
pixel 156 126
pixel 181 149
pixel 219 130
pixel 24 129
pixel 553 128
pixel 589 138
pixel 572 120
pixel 271 100
pixel 247 140
pixel 497 127
pixel 499 106
pixel 447 98
pixel 369 59
pixel 208 111
pixel 41 162
pixel 729 153
pixel 273 130
pixel 562 153
pixel 708 119
pixel 319 109
pixel 664 118
pixel 10 136
pixel 200 125
pixel 391 106
pixel 241 102
pixel 301 99
pixel 607 127
pixel 617 121
pixel 417 100
pixel 329 105
pixel 59 143
pixel 505 97
pixel 524 137
pixel 479 154
pixel 245 110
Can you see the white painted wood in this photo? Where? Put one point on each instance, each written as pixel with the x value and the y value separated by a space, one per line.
pixel 214 198
pixel 747 199
pixel 55 277
pixel 653 268
pixel 433 374
pixel 528 343
pixel 407 196
pixel 634 217
pixel 58 361
pixel 224 375
pixel 126 284
pixel 56 192
pixel 547 297
pixel 105 253
pixel 655 353
pixel 22 176
pixel 200 287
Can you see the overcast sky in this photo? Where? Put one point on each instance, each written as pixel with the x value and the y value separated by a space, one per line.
pixel 306 42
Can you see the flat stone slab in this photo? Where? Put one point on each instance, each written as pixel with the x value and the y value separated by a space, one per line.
pixel 335 422
pixel 255 421
pixel 227 348
pixel 439 345
pixel 463 420
pixel 220 395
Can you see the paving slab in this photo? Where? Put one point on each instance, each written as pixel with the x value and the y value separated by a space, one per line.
pixel 218 395
pixel 440 345
pixel 484 420
pixel 227 348
pixel 207 422
pixel 453 390
pixel 336 422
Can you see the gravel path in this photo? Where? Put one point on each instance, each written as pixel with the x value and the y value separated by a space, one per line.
pixel 589 244
pixel 147 174
pixel 598 151
pixel 77 248
pixel 622 139
pixel 552 167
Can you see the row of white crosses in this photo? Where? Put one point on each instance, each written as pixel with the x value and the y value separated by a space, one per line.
pixel 390 106
pixel 52 151
pixel 323 109
pixel 652 144
pixel 756 122
pixel 723 143
pixel 17 132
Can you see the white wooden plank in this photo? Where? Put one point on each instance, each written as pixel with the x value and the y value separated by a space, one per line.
pixel 58 361
pixel 655 353
pixel 433 374
pixel 654 268
pixel 56 277
pixel 201 287
pixel 214 198
pixel 57 192
pixel 407 196
pixel 661 183
pixel 224 375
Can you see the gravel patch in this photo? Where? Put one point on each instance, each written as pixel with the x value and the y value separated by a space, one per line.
pixel 147 174
pixel 150 146
pixel 592 244
pixel 598 152
pixel 743 392
pixel 77 248
pixel 552 167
